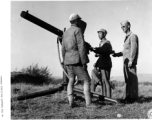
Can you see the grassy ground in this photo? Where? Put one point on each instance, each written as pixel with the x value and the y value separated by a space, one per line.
pixel 55 106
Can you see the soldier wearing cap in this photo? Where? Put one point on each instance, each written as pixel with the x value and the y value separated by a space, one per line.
pixel 130 57
pixel 104 62
pixel 75 58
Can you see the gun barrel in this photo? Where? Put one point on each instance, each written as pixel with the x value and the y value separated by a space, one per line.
pixel 39 93
pixel 41 23
pixel 96 95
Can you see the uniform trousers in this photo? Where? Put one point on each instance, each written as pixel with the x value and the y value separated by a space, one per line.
pixel 96 79
pixel 104 79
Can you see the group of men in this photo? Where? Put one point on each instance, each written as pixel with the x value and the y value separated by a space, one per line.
pixel 75 60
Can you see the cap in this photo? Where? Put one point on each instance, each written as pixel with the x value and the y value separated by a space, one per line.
pixel 102 30
pixel 74 16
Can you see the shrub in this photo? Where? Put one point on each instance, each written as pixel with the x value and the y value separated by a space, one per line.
pixel 32 74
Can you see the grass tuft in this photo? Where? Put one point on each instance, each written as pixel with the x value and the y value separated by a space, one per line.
pixel 33 75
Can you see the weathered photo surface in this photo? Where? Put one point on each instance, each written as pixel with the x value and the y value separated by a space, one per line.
pixel 39 31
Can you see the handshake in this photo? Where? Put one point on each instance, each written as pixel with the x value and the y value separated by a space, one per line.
pixel 117 54
pixel 99 52
pixel 95 50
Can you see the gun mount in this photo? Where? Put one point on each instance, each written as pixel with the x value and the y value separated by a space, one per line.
pixel 77 92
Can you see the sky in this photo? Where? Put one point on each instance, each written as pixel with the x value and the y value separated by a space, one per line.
pixel 31 44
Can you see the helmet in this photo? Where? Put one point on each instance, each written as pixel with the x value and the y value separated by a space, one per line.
pixel 102 30
pixel 74 17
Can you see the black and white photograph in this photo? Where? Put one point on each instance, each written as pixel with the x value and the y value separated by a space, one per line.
pixel 77 60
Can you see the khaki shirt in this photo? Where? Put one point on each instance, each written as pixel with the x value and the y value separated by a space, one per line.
pixel 74 49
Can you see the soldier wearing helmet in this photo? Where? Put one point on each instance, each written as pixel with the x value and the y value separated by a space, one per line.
pixel 104 63
pixel 75 58
pixel 74 17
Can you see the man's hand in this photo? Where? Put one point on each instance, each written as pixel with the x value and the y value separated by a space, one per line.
pixel 60 39
pixel 117 54
pixel 97 55
pixel 88 46
pixel 94 49
pixel 62 63
pixel 130 64
pixel 112 52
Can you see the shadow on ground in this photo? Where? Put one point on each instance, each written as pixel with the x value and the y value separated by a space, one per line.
pixel 140 99
pixel 143 99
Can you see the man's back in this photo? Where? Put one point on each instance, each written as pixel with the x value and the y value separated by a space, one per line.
pixel 73 47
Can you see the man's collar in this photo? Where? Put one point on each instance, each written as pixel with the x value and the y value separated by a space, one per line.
pixel 74 25
pixel 104 39
pixel 128 33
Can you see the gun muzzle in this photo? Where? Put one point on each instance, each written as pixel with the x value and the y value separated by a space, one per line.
pixel 41 23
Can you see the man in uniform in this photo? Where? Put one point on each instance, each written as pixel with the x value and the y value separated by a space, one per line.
pixel 130 56
pixel 104 62
pixel 75 58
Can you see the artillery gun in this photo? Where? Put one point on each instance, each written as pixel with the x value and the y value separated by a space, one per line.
pixel 59 33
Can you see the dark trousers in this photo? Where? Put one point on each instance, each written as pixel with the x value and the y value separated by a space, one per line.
pixel 105 77
pixel 131 81
pixel 96 78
